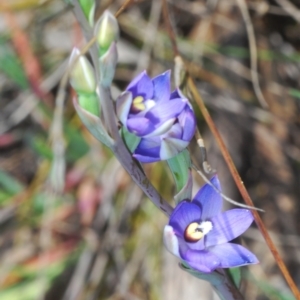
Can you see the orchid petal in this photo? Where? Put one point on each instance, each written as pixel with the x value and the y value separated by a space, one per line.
pixel 228 225
pixel 171 147
pixel 171 240
pixel 177 94
pixel 164 111
pixel 202 261
pixel 184 214
pixel 148 150
pixel 161 85
pixel 178 144
pixel 141 86
pixel 145 159
pixel 175 131
pixel 123 105
pixel 188 123
pixel 167 150
pixel 163 128
pixel 149 143
pixel 233 255
pixel 209 200
pixel 139 126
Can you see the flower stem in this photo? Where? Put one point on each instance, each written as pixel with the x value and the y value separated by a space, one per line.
pixel 227 290
pixel 220 281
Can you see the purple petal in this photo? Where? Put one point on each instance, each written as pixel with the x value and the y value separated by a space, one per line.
pixel 139 126
pixel 175 131
pixel 141 86
pixel 161 85
pixel 233 255
pixel 148 150
pixel 188 123
pixel 171 147
pixel 149 143
pixel 164 111
pixel 177 94
pixel 209 200
pixel 184 214
pixel 167 150
pixel 203 261
pixel 145 159
pixel 228 225
pixel 161 128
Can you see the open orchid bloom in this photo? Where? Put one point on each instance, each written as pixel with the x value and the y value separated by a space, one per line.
pixel 164 121
pixel 199 234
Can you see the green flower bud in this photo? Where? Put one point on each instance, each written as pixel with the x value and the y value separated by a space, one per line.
pixel 82 74
pixel 108 63
pixel 106 31
pixel 88 8
pixel 90 103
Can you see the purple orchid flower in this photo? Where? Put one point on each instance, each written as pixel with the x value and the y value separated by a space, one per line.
pixel 164 121
pixel 199 233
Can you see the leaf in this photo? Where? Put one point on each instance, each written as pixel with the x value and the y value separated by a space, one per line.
pixel 295 93
pixel 180 168
pixel 186 191
pixel 130 139
pixel 10 184
pixel 11 66
pixel 236 276
pixel 94 125
pixel 33 289
pixel 89 102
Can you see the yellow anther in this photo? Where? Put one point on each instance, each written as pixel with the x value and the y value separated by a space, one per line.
pixel 193 233
pixel 138 103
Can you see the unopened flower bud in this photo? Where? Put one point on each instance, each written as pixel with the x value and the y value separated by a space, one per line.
pixel 88 8
pixel 108 63
pixel 90 103
pixel 106 31
pixel 82 74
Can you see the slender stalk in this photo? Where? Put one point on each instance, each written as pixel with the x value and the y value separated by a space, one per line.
pixel 220 281
pixel 241 187
pixel 125 158
pixel 226 290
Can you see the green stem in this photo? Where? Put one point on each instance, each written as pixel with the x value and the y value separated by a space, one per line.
pixel 220 281
pixel 226 290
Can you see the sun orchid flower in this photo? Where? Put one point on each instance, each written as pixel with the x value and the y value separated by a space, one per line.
pixel 164 121
pixel 199 234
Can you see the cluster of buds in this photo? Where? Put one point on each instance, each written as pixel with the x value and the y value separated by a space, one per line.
pixel 82 76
